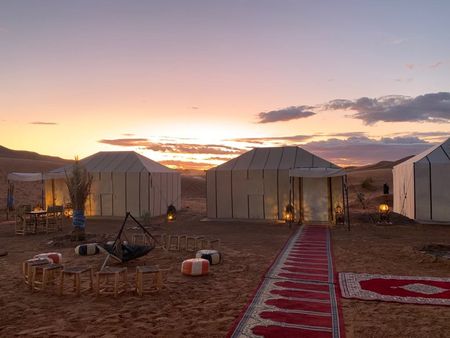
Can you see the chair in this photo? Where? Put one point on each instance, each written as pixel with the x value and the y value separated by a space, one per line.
pixel 54 218
pixel 25 225
pixel 41 223
pixel 121 250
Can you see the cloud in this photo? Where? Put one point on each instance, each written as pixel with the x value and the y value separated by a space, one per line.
pixel 428 133
pixel 347 134
pixel 436 65
pixel 410 66
pixel 286 114
pixel 261 140
pixel 404 80
pixel 433 107
pixel 365 150
pixel 192 165
pixel 126 142
pixel 195 107
pixel 396 41
pixel 433 136
pixel 178 148
pixel 128 134
pixel 44 123
pixel 292 139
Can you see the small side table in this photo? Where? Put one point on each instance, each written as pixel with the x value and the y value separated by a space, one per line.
pixel 76 272
pixel 153 271
pixel 111 281
pixel 47 274
pixel 27 268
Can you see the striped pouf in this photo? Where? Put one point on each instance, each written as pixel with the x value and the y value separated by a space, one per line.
pixel 55 257
pixel 87 249
pixel 213 256
pixel 195 267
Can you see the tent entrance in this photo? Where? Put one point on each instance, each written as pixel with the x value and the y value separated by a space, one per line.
pixel 316 192
pixel 315 199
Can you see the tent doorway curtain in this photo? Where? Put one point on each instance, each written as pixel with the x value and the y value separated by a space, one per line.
pixel 311 199
pixel 315 197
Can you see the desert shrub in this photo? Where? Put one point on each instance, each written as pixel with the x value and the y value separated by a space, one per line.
pixel 367 184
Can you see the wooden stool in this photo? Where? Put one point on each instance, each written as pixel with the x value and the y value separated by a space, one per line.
pixel 27 268
pixel 191 243
pixel 116 286
pixel 47 274
pixel 76 273
pixel 140 239
pixel 159 241
pixel 182 241
pixel 214 244
pixel 155 272
pixel 202 244
pixel 174 243
pixel 200 241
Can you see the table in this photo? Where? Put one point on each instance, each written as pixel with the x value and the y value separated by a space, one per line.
pixel 36 214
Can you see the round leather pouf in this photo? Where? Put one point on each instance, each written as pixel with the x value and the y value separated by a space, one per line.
pixel 87 249
pixel 56 257
pixel 195 267
pixel 213 256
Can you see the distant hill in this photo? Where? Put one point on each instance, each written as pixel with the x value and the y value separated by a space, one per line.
pixel 380 165
pixel 26 162
pixel 28 155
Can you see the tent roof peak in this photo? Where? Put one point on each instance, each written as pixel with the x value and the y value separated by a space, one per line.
pixel 265 158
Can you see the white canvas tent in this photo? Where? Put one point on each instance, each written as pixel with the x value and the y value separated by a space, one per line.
pixel 422 185
pixel 123 181
pixel 262 182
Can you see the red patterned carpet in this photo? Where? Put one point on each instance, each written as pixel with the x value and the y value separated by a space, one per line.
pixel 297 296
pixel 401 289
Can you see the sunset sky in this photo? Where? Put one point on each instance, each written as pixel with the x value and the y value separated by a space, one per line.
pixel 194 83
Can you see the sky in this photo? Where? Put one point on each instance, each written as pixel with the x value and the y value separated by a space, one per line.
pixel 194 83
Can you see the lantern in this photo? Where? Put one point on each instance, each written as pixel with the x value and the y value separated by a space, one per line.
pixel 68 210
pixel 383 211
pixel 289 213
pixel 171 213
pixel 383 208
pixel 339 214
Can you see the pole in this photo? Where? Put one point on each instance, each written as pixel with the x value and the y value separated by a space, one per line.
pixel 42 190
pixel 7 200
pixel 347 210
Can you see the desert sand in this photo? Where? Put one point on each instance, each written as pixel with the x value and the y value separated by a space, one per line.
pixel 207 306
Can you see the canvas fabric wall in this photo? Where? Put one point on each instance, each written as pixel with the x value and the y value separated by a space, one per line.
pixel 113 194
